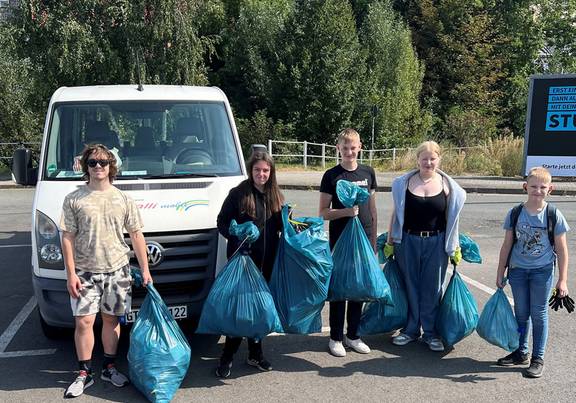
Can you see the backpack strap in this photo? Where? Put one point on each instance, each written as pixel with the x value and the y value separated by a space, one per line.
pixel 514 214
pixel 551 221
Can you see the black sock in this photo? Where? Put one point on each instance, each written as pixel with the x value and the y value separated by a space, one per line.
pixel 85 366
pixel 108 359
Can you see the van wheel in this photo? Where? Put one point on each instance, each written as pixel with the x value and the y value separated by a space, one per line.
pixel 52 332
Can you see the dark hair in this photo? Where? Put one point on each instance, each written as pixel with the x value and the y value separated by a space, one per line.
pixel 98 149
pixel 273 195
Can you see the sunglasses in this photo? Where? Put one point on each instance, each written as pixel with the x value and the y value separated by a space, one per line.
pixel 92 163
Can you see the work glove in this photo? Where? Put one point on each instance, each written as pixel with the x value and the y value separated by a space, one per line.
pixel 388 250
pixel 246 231
pixel 456 258
pixel 556 302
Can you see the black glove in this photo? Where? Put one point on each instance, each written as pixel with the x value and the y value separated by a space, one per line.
pixel 556 302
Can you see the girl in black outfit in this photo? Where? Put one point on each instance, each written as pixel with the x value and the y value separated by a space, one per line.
pixel 260 200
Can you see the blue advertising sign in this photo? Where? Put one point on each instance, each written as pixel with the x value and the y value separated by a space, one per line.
pixel 550 137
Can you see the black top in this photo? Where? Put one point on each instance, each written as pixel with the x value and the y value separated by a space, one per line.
pixel 365 177
pixel 425 213
pixel 263 251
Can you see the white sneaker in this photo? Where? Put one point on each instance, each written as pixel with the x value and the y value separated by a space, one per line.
pixel 402 339
pixel 336 348
pixel 357 345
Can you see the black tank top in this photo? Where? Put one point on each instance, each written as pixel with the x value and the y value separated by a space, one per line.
pixel 425 213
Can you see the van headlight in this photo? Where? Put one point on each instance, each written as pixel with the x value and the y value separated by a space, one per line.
pixel 48 245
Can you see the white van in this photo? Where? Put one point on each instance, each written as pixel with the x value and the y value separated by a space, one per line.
pixel 179 155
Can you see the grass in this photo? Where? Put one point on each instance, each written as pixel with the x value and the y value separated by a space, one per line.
pixel 497 157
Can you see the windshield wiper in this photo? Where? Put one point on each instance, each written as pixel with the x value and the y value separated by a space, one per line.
pixel 173 176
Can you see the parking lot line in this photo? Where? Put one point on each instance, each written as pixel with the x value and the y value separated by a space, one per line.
pixel 13 328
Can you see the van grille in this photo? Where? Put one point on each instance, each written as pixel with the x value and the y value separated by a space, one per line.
pixel 187 270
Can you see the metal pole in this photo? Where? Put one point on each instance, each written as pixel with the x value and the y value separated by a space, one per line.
pixel 323 155
pixel 305 154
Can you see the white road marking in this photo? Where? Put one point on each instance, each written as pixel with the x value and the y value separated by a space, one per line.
pixel 13 328
pixel 482 287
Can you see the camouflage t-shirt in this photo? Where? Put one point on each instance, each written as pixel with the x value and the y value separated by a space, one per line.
pixel 98 220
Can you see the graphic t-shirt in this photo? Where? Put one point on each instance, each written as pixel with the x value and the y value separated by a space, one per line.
pixel 98 220
pixel 365 177
pixel 533 249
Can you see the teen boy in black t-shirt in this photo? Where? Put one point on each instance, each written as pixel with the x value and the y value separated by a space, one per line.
pixel 332 209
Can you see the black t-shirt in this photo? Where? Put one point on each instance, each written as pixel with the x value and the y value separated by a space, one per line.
pixel 365 177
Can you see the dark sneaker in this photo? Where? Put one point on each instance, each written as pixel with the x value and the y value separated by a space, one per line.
pixel 514 358
pixel 223 369
pixel 112 375
pixel 261 364
pixel 535 369
pixel 76 388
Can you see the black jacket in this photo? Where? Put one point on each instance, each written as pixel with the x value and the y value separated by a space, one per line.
pixel 263 251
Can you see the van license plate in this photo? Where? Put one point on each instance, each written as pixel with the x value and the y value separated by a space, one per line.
pixel 178 312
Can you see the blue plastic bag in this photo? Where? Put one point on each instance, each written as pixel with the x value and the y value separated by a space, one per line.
pixel 239 303
pixel 301 275
pixel 159 355
pixel 381 316
pixel 458 313
pixel 470 249
pixel 356 275
pixel 497 324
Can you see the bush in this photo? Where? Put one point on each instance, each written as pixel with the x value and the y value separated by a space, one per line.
pixel 259 128
pixel 508 151
pixel 479 163
pixel 465 128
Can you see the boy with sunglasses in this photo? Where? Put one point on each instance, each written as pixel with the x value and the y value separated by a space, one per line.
pixel 96 258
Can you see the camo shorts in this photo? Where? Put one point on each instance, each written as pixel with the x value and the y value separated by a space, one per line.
pixel 109 293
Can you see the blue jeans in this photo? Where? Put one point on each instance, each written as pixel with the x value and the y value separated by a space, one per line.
pixel 423 263
pixel 531 288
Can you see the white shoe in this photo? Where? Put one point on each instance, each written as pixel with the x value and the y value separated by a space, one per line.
pixel 336 348
pixel 357 345
pixel 402 339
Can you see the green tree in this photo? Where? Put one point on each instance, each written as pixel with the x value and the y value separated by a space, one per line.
pixel 102 42
pixel 319 68
pixel 557 20
pixel 457 41
pixel 393 79
pixel 17 121
pixel 248 54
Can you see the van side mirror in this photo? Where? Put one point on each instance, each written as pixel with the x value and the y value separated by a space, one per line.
pixel 22 167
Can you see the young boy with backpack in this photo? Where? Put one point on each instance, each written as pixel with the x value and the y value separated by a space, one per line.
pixel 535 237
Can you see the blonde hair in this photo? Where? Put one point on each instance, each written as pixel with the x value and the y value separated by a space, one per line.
pixel 430 145
pixel 347 134
pixel 539 173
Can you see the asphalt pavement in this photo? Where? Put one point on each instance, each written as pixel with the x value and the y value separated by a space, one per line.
pixel 310 180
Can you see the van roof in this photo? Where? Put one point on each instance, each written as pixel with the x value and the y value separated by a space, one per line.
pixel 131 93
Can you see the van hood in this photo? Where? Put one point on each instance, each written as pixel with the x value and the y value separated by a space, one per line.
pixel 165 206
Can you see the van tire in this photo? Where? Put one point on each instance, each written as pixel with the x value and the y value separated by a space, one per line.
pixel 52 332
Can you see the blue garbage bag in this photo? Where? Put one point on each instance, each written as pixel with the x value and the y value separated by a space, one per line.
pixel 382 316
pixel 470 249
pixel 159 355
pixel 497 324
pixel 301 274
pixel 356 275
pixel 239 303
pixel 458 313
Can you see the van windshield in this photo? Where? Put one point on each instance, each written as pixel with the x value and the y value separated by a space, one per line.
pixel 149 139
